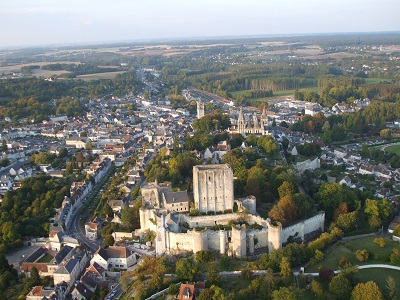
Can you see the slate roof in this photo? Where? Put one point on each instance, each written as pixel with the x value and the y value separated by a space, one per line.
pixel 176 197
pixel 62 254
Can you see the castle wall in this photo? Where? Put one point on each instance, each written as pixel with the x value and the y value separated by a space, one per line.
pixel 262 238
pixel 305 227
pixel 213 240
pixel 203 221
pixel 148 220
pixel 180 241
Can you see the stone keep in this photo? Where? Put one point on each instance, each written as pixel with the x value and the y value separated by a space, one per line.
pixel 213 188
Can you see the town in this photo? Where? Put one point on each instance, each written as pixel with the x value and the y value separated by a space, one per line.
pixel 200 171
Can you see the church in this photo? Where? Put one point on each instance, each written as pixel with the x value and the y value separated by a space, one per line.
pixel 217 222
pixel 251 123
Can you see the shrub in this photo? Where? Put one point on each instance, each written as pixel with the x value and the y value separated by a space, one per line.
pixel 380 241
pixel 326 274
pixel 343 262
pixel 395 257
pixel 362 255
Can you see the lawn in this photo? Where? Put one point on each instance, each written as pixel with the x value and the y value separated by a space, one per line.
pixel 347 249
pixel 379 276
pixel 46 258
pixel 393 149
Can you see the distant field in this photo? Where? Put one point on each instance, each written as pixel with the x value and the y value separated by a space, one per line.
pixel 47 73
pixel 18 67
pixel 278 94
pixel 374 80
pixel 106 75
pixel 393 149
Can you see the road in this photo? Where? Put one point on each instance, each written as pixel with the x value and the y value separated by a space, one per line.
pixel 382 266
pixel 75 229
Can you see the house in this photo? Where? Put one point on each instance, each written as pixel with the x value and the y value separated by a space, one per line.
pixel 81 292
pixel 40 293
pixel 345 181
pixel 176 201
pixel 92 230
pixel 114 257
pixel 189 291
pixel 68 273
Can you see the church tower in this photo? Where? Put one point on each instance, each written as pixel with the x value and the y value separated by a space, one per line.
pixel 200 109
pixel 264 118
pixel 241 123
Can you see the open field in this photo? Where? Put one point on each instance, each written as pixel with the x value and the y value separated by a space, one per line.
pixel 106 75
pixel 393 149
pixel 47 73
pixel 18 67
pixel 344 249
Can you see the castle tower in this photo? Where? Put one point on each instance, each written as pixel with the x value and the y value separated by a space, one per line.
pixel 241 123
pixel 200 109
pixel 239 240
pixel 222 242
pixel 213 188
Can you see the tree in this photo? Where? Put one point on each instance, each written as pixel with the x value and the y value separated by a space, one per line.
pixel 285 293
pixel 213 276
pixel 247 273
pixel 89 146
pixel 326 274
pixel 204 256
pixel 396 231
pixel 187 269
pixel 395 256
pixel 267 285
pixel 173 289
pixel 109 240
pixel 340 286
pixel 63 152
pixel 206 294
pixel 317 288
pixel 386 133
pixel 362 255
pixel 380 241
pixel 330 196
pixel 391 287
pixel 319 255
pixel 367 291
pixel 285 267
pixel 286 189
pixel 285 211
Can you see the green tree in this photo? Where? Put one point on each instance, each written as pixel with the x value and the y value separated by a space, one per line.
pixel 213 276
pixel 89 146
pixel 187 269
pixel 367 291
pixel 317 288
pixel 286 189
pixel 340 286
pixel 284 266
pixel 386 133
pixel 109 240
pixel 285 293
pixel 392 292
pixel 267 285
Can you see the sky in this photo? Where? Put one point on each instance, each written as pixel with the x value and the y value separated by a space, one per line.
pixel 57 22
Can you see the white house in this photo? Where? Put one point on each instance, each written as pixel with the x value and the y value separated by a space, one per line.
pixel 114 257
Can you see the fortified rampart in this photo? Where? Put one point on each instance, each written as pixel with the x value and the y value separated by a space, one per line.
pixel 301 229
